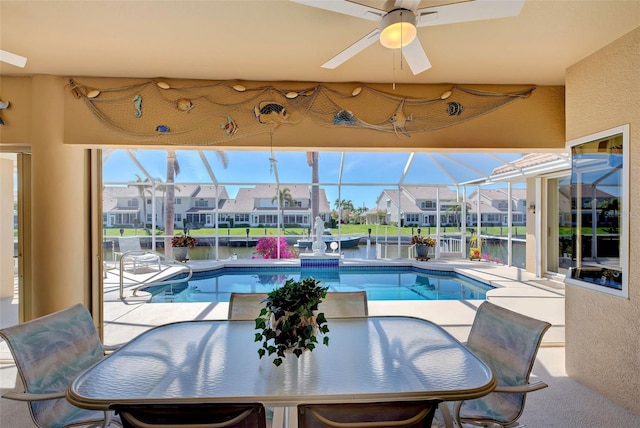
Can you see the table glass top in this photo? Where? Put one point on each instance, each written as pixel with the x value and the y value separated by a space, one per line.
pixel 217 361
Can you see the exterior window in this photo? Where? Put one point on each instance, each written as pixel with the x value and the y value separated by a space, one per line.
pixel 428 205
pixel 503 205
pixel 177 217
pixel 202 203
pixel 242 218
pixel 178 201
pixel 132 203
pixel 413 218
pixel 599 195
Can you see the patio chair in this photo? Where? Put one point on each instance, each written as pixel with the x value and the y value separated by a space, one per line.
pixel 246 306
pixel 131 252
pixel 407 414
pixel 345 304
pixel 508 343
pixel 190 415
pixel 49 352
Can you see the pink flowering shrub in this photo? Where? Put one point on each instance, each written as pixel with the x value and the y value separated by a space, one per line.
pixel 268 248
pixel 488 258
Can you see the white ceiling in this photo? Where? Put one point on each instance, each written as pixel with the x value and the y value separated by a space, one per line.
pixel 281 40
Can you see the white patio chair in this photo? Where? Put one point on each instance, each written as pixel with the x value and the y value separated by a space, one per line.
pixel 131 252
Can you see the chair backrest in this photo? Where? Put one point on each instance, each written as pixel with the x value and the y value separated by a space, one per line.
pixel 508 342
pixel 246 306
pixel 406 414
pixel 49 352
pixel 250 415
pixel 129 244
pixel 345 304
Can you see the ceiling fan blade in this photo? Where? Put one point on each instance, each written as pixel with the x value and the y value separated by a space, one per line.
pixel 416 57
pixel 13 59
pixel 352 50
pixel 475 10
pixel 346 8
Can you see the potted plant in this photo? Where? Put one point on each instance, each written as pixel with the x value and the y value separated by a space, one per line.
pixel 475 247
pixel 181 245
pixel 289 321
pixel 422 244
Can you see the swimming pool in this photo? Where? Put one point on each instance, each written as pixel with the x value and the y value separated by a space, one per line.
pixel 380 283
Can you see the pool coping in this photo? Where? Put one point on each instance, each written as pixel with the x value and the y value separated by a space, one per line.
pixel 515 289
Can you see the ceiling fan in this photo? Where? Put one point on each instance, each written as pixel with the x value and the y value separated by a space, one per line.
pixel 13 59
pixel 400 18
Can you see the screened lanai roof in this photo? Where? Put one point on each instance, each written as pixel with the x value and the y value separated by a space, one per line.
pixel 356 176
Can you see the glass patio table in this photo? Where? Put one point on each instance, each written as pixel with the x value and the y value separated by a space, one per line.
pixel 368 359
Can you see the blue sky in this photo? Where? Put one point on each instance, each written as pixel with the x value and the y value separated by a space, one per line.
pixel 383 169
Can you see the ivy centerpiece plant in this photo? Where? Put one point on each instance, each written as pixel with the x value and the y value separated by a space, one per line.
pixel 289 321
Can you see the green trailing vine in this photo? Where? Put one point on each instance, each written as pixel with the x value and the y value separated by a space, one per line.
pixel 289 321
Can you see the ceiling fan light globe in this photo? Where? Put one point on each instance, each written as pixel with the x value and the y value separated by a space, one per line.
pixel 397 29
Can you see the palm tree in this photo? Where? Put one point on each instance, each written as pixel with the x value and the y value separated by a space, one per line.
pixel 173 169
pixel 312 160
pixel 342 206
pixel 285 196
pixel 142 190
pixel 360 212
pixel 162 187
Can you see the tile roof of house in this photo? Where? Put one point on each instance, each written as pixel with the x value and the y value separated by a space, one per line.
pixel 209 191
pixel 499 194
pixel 411 194
pixel 244 200
pixel 431 192
pixel 182 191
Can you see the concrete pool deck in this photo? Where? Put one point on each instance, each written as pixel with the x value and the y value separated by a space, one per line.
pixel 566 403
pixel 515 289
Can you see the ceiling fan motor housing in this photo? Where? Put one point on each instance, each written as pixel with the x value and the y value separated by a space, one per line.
pixel 397 28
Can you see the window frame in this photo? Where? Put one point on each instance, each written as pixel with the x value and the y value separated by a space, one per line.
pixel 623 292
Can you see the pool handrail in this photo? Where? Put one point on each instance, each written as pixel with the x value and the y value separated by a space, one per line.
pixel 145 283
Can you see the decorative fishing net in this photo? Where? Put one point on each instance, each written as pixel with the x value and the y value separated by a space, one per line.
pixel 153 112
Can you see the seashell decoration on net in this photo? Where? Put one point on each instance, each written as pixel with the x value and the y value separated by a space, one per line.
pixel 219 112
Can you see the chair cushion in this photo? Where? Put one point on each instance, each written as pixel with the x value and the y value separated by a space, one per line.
pixel 250 415
pixel 508 342
pixel 49 352
pixel 415 414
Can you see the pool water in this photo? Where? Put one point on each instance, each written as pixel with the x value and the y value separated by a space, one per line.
pixel 380 283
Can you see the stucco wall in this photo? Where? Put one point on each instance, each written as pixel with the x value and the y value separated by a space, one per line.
pixel 17 118
pixel 603 332
pixel 541 115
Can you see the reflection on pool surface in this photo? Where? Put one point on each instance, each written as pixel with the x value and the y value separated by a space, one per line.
pixel 380 283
